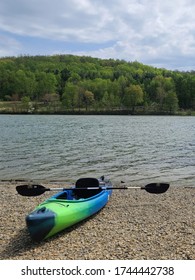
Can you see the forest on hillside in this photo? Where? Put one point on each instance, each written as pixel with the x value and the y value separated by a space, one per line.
pixel 68 83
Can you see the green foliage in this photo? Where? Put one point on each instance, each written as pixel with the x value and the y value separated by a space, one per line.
pixel 70 96
pixel 46 84
pixel 67 82
pixel 133 97
pixel 171 102
pixel 164 94
pixel 87 98
pixel 26 103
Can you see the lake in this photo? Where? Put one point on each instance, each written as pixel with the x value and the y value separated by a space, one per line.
pixel 135 149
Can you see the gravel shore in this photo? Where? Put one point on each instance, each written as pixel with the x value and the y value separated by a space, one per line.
pixel 133 225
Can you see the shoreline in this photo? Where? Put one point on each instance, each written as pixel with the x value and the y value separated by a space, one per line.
pixel 100 113
pixel 133 225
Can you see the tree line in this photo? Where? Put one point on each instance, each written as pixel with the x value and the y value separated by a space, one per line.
pixel 68 83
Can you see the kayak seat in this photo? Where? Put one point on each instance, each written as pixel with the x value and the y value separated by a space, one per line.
pixel 85 183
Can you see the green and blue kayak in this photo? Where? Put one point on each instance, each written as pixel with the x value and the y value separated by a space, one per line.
pixel 68 207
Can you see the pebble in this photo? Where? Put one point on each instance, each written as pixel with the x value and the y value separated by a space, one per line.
pixel 133 225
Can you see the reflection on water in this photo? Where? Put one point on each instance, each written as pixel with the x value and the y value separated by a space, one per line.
pixel 136 149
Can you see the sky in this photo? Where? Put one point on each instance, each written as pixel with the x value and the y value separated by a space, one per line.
pixel 153 32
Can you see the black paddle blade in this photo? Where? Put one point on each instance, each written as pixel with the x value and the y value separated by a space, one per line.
pixel 156 187
pixel 30 190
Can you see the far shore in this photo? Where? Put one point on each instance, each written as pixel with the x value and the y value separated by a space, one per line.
pixel 16 107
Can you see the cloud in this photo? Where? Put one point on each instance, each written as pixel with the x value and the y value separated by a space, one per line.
pixel 62 20
pixel 8 46
pixel 160 33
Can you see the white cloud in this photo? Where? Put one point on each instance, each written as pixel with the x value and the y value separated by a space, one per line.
pixel 151 31
pixel 8 46
pixel 78 20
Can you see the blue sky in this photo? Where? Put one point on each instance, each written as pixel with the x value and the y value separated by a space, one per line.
pixel 154 32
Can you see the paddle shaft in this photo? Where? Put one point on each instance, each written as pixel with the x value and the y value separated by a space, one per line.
pixel 93 188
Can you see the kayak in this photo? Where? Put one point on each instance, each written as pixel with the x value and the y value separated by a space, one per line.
pixel 68 207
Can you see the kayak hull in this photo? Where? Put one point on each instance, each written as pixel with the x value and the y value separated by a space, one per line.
pixel 58 213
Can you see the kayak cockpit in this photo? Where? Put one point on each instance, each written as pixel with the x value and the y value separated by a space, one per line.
pixel 84 188
pixel 80 191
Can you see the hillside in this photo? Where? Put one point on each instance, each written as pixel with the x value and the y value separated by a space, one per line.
pixel 77 84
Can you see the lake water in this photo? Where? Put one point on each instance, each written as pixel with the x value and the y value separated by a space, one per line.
pixel 135 149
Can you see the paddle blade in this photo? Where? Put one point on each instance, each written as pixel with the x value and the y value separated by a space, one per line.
pixel 156 187
pixel 30 190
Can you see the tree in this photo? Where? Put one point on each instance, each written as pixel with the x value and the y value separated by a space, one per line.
pixel 64 76
pixel 171 102
pixel 133 96
pixel 7 80
pixel 110 101
pixel 122 84
pixel 24 83
pixel 46 84
pixel 88 98
pixel 70 96
pixel 27 105
pixel 163 90
pixel 105 100
pixel 185 86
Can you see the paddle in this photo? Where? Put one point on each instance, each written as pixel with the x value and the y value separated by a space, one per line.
pixel 35 189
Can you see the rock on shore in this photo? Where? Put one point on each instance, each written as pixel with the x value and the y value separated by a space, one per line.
pixel 133 225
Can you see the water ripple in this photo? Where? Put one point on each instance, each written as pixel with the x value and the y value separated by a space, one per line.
pixel 136 149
